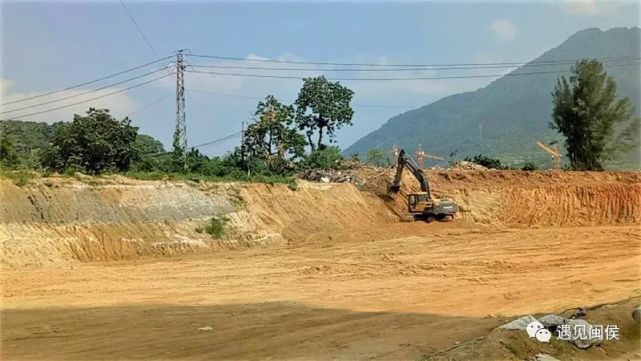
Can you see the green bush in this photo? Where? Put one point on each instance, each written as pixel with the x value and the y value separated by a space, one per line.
pixel 18 177
pixel 216 226
pixel 328 158
pixel 487 162
pixel 529 166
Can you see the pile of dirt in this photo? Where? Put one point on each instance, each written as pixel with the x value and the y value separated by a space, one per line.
pixel 465 165
pixel 327 175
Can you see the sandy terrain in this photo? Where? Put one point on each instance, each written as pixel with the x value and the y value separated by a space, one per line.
pixel 342 283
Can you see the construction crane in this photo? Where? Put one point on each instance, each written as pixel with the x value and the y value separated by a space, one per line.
pixel 421 156
pixel 553 151
pixel 421 204
pixel 394 153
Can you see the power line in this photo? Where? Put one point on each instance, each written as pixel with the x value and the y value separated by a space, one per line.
pixel 227 95
pixel 219 140
pixel 85 83
pixel 388 79
pixel 394 69
pixel 85 93
pixel 139 29
pixel 215 141
pixel 569 61
pixel 149 105
pixel 92 99
pixel 198 103
pixel 369 79
pixel 409 106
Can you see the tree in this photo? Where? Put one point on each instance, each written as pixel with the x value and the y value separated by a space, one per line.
pixel 8 154
pixel 93 143
pixel 28 140
pixel 322 106
pixel 376 156
pixel 149 155
pixel 270 138
pixel 587 111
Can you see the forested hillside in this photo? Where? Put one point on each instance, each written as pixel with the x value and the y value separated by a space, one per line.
pixel 505 118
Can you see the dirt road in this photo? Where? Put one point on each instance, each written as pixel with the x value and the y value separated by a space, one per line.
pixel 394 292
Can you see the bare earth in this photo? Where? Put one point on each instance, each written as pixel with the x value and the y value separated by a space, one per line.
pixel 396 291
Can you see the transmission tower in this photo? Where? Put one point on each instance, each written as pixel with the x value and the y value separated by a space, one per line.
pixel 180 135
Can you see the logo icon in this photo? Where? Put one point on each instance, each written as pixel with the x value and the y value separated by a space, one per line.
pixel 533 327
pixel 543 335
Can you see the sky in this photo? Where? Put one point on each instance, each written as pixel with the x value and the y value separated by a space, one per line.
pixel 47 46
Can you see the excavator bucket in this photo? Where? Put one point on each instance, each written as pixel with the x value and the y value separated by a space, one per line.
pixel 393 189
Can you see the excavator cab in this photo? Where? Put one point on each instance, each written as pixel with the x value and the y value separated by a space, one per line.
pixel 417 202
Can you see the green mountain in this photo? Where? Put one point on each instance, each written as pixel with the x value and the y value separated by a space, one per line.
pixel 506 117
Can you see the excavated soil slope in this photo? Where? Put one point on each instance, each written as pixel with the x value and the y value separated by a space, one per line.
pixel 526 198
pixel 58 220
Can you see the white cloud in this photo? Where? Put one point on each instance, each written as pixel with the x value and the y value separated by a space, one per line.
pixel 583 7
pixel 613 12
pixel 503 29
pixel 120 105
pixel 255 57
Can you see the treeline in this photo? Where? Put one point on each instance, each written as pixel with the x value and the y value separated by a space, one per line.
pixel 281 140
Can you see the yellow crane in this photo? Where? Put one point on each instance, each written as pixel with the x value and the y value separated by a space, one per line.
pixel 394 153
pixel 553 151
pixel 421 156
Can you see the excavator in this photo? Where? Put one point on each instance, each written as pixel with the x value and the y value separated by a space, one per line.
pixel 421 204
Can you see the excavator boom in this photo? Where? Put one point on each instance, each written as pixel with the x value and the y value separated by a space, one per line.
pixel 405 161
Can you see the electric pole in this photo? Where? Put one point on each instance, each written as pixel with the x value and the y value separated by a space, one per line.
pixel 180 135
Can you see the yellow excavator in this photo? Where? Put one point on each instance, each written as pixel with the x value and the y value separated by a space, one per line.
pixel 421 204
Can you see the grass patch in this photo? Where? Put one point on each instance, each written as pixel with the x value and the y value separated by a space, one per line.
pixel 23 177
pixel 19 177
pixel 510 347
pixel 215 227
pixel 195 177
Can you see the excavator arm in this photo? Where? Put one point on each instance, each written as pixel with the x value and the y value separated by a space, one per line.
pixel 404 161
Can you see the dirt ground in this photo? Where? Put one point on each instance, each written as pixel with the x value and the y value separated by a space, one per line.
pixel 383 297
pixel 344 283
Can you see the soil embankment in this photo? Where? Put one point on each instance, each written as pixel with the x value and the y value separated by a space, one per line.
pixel 516 198
pixel 54 221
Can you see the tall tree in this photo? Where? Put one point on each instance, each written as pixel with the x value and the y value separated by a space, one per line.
pixel 590 116
pixel 149 155
pixel 323 106
pixel 93 143
pixel 270 138
pixel 8 154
